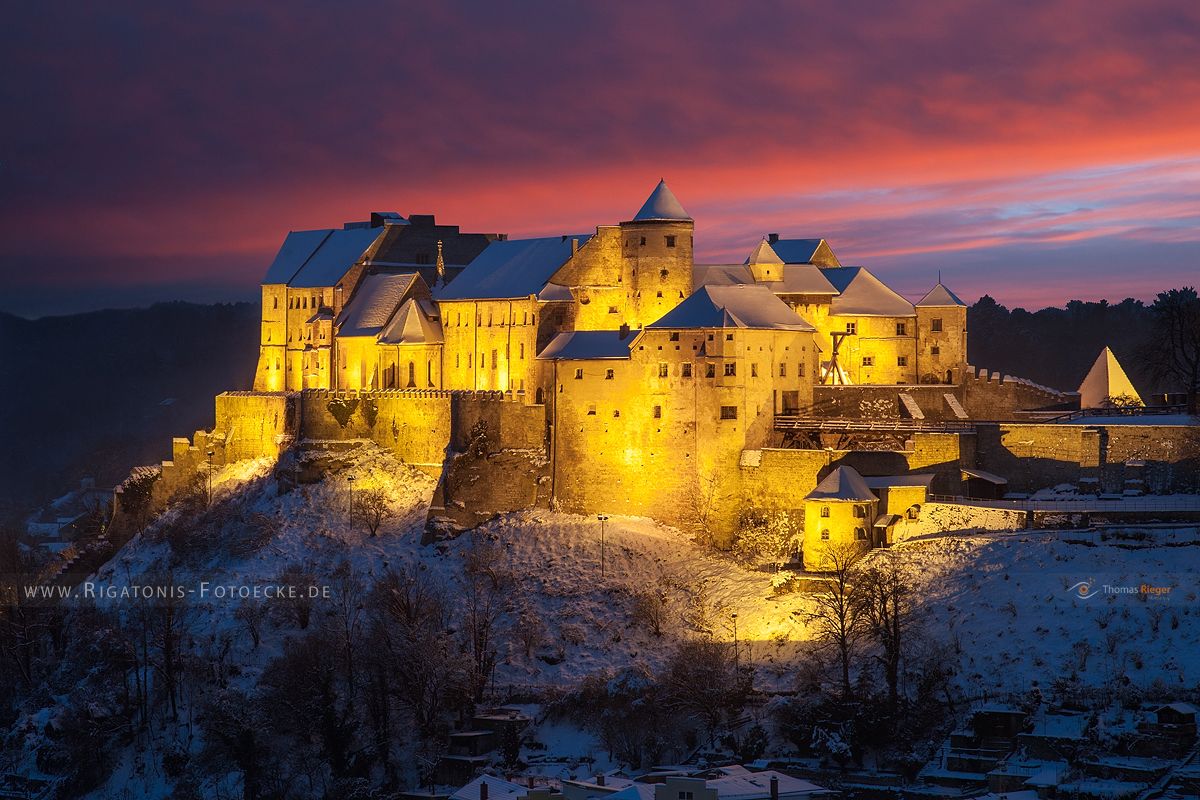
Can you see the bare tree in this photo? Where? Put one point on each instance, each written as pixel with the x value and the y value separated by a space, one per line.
pixel 483 604
pixel 251 614
pixel 1174 351
pixel 372 509
pixel 884 605
pixel 701 681
pixel 837 615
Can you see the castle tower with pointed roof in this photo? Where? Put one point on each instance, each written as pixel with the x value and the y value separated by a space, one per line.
pixel 656 247
pixel 941 336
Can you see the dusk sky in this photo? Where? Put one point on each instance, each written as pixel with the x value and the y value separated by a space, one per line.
pixel 1035 151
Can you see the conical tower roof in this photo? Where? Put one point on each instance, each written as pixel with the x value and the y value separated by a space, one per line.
pixel 1105 379
pixel 844 483
pixel 764 254
pixel 662 205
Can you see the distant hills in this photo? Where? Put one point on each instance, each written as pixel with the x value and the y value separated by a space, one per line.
pixel 99 393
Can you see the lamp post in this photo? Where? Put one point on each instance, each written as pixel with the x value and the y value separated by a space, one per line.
pixel 736 663
pixel 208 480
pixel 350 483
pixel 603 518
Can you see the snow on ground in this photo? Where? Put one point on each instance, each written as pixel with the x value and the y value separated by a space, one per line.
pixel 1014 609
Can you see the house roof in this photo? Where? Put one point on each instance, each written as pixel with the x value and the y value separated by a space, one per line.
pixel 990 477
pixel 1105 379
pixel 415 323
pixel 737 306
pixel 296 248
pixel 757 786
pixel 498 789
pixel 796 251
pixel 940 296
pixel 720 275
pixel 844 483
pixel 662 205
pixel 511 268
pixel 373 303
pixel 579 345
pixel 861 294
pixel 763 254
pixel 339 251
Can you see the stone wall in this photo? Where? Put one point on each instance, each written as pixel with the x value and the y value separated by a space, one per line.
pixel 993 396
pixel 883 402
pixel 255 424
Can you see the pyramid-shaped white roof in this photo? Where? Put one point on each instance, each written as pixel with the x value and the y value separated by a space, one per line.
pixel 662 205
pixel 1105 379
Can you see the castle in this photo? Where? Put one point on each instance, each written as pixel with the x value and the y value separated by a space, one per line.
pixel 607 372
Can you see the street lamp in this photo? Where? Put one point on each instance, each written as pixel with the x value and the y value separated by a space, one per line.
pixel 735 643
pixel 603 518
pixel 350 482
pixel 208 479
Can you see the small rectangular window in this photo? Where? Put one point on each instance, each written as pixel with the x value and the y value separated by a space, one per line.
pixel 783 370
pixel 901 329
pixel 608 374
pixel 754 370
pixel 935 325
pixel 825 536
pixel 613 310
pixel 616 412
pixel 579 373
pixel 728 412
pixel 663 369
pixel 686 370
pixel 868 361
pixel 800 369
pixel 658 412
pixel 710 370
pixel 935 351
pixel 901 361
pixel 670 241
pixel 674 336
pixel 730 369
pixel 852 328
pixel 591 411
pixel 494 360
pixel 521 350
pixel 643 241
pixel 729 337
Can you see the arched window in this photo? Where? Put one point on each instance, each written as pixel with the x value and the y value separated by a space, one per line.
pixel 825 511
pixel 412 374
pixel 860 534
pixel 825 535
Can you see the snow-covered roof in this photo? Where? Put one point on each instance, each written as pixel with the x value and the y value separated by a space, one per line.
pixel 796 251
pixel 763 254
pixel 635 791
pixel 797 278
pixel 861 294
pixel 884 481
pixel 844 483
pixel 662 205
pixel 415 323
pixel 339 251
pixel 720 275
pixel 990 477
pixel 1179 708
pixel 738 306
pixel 757 786
pixel 497 789
pixel 576 345
pixel 373 303
pixel 511 268
pixel 296 248
pixel 940 296
pixel 1105 379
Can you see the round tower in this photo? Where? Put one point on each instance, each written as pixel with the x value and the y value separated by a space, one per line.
pixel 656 249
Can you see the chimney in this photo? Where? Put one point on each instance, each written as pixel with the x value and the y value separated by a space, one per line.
pixel 574 246
pixel 774 788
pixel 624 330
pixel 483 789
pixel 600 779
pixel 772 238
